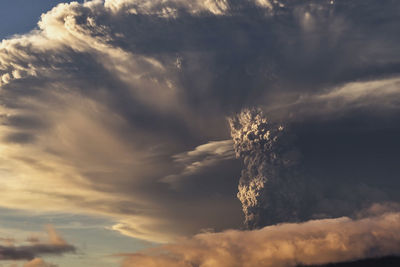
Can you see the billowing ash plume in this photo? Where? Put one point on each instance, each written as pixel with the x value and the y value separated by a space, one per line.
pixel 269 185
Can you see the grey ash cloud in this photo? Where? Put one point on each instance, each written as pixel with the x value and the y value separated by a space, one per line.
pixel 106 101
pixel 270 187
pixel 296 171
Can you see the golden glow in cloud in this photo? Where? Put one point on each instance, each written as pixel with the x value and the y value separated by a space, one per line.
pixel 92 111
pixel 283 245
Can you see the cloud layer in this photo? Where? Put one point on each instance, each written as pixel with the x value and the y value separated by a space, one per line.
pixel 284 245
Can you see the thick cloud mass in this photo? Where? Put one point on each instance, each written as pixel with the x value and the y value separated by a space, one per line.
pixel 269 185
pixel 284 245
pixel 120 108
pixel 285 177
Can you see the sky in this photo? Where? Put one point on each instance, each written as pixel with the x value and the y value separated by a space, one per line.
pixel 21 16
pixel 198 132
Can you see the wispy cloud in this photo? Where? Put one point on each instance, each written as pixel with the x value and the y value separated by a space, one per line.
pixel 201 158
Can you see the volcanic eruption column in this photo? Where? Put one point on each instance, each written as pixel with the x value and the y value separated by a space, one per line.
pixel 269 186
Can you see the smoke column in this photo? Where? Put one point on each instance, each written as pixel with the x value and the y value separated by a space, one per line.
pixel 269 186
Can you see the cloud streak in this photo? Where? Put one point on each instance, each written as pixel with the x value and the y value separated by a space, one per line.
pixel 202 157
pixel 37 262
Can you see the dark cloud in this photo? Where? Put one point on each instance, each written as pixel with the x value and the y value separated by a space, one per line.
pixel 269 187
pixel 55 246
pixel 311 169
pixel 19 138
pixel 98 101
pixel 24 122
pixel 30 252
pixel 389 261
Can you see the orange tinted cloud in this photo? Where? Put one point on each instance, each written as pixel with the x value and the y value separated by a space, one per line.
pixel 284 245
pixel 38 262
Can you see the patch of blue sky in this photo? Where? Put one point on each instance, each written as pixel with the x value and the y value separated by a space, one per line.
pixel 96 243
pixel 21 16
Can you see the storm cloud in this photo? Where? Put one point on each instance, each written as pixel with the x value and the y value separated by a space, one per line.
pixel 120 107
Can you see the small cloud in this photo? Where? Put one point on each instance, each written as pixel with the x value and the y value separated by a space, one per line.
pixel 55 246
